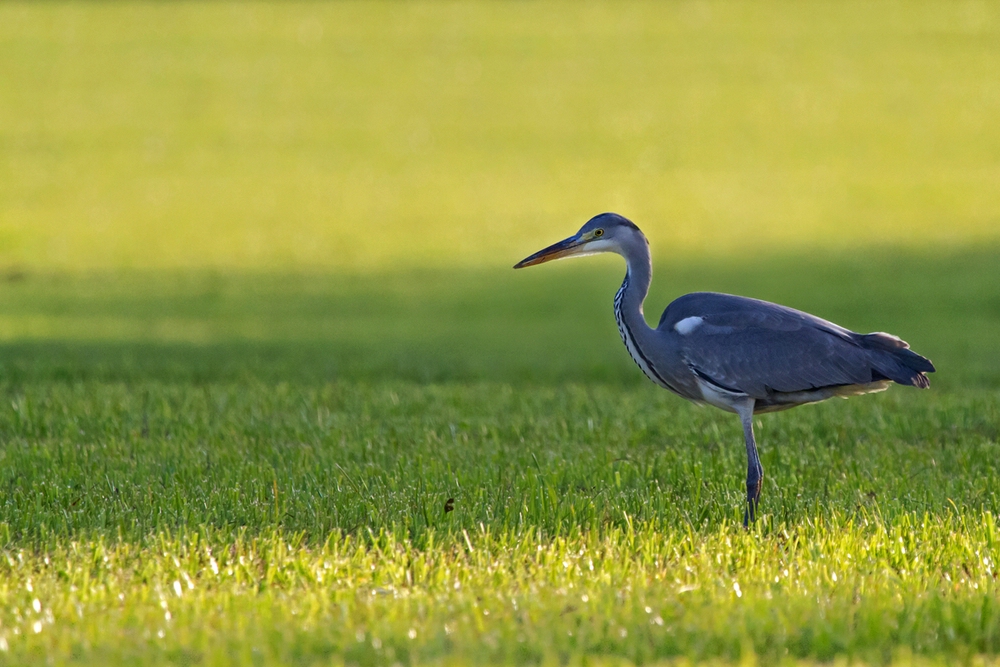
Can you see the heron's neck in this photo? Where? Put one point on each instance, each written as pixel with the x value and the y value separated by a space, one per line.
pixel 635 287
pixel 636 334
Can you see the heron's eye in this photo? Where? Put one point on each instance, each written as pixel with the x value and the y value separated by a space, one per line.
pixel 598 233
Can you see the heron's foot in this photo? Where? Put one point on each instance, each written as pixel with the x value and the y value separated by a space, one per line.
pixel 753 498
pixel 750 514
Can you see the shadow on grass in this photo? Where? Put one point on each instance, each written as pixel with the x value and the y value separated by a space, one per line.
pixel 548 324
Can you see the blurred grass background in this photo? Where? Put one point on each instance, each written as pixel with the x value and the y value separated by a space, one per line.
pixel 339 189
pixel 434 325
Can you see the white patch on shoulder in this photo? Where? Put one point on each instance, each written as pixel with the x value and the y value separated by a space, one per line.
pixel 688 324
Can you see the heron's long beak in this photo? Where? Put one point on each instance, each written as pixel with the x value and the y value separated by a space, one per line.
pixel 564 248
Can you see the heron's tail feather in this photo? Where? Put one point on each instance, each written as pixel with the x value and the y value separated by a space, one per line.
pixel 893 358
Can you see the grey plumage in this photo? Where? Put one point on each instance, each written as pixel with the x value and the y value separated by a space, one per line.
pixel 768 351
pixel 742 355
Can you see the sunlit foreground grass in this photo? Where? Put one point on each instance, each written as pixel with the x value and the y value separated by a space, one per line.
pixel 859 587
pixel 472 523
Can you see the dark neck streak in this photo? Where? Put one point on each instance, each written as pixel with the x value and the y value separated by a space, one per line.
pixel 629 315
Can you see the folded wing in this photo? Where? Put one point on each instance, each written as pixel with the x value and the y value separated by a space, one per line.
pixel 760 348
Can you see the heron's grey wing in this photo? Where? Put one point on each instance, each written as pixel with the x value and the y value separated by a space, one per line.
pixel 758 348
pixel 759 362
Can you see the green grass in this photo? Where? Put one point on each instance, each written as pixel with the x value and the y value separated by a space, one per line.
pixel 319 428
pixel 296 523
pixel 270 392
pixel 542 325
pixel 368 135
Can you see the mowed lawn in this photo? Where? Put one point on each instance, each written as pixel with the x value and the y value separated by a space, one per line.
pixel 270 392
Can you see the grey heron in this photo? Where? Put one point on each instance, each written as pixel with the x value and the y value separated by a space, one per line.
pixel 739 354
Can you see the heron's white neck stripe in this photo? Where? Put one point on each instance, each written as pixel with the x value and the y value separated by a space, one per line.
pixel 633 348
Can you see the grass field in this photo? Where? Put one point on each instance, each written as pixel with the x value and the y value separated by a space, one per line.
pixel 271 394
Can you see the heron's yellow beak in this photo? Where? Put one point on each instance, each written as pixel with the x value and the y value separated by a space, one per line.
pixel 565 248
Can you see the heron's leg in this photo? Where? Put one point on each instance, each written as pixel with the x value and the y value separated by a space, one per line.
pixel 755 472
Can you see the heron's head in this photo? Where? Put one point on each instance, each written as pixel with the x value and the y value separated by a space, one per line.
pixel 607 232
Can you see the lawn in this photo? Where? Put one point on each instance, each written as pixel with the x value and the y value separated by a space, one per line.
pixel 270 392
